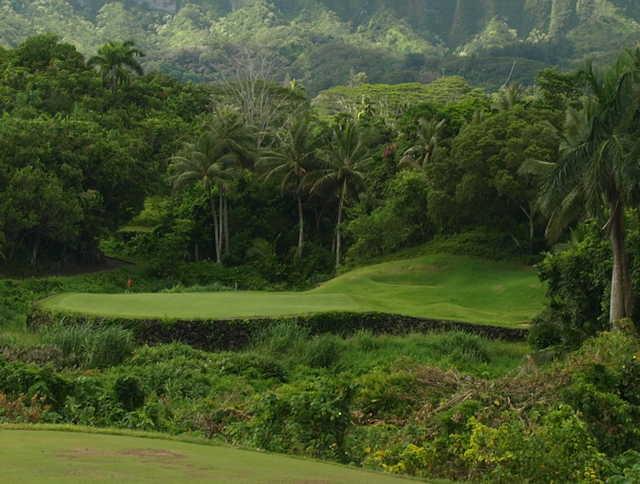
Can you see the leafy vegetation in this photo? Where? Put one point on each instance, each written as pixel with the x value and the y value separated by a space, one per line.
pixel 348 222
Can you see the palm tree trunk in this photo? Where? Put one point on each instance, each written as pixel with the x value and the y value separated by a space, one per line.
pixel 343 194
pixel 221 224
pixel 621 287
pixel 35 250
pixel 216 228
pixel 226 225
pixel 300 228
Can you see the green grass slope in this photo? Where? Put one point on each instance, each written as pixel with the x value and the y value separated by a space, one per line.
pixel 450 287
pixel 54 456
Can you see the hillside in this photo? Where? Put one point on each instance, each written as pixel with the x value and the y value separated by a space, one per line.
pixel 390 41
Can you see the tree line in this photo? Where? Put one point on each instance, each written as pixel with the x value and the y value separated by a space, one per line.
pixel 245 170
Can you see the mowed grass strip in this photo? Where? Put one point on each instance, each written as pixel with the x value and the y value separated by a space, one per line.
pixel 68 457
pixel 450 287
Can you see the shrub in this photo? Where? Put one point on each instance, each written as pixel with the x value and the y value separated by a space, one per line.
pixel 611 419
pixel 252 366
pixel 323 351
pixel 40 354
pixel 21 410
pixel 382 394
pixel 630 380
pixel 578 278
pixel 462 347
pixel 19 379
pixel 129 393
pixel 628 468
pixel 309 417
pixel 366 340
pixel 558 448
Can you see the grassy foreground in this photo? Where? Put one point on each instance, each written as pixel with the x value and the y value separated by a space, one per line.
pixel 435 286
pixel 56 456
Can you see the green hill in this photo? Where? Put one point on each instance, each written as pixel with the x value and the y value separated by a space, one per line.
pixel 323 42
pixel 436 286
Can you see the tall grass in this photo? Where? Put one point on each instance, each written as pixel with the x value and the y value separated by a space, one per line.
pixel 89 346
pixel 293 345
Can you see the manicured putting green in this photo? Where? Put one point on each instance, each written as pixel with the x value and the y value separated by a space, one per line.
pixel 435 286
pixel 69 457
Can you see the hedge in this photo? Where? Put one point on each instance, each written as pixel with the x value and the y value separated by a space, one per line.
pixel 222 335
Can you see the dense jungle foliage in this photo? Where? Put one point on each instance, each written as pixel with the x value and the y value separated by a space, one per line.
pixel 248 183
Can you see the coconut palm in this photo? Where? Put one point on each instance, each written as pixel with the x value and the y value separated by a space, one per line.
pixel 427 144
pixel 204 162
pixel 598 172
pixel 508 97
pixel 238 142
pixel 341 170
pixel 291 164
pixel 116 61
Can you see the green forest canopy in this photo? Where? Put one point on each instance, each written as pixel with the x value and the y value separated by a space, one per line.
pixel 323 42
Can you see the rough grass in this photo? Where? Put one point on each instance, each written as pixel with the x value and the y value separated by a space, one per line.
pixel 450 287
pixel 56 456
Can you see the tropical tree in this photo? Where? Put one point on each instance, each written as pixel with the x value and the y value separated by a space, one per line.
pixel 203 162
pixel 215 160
pixel 117 61
pixel 598 171
pixel 291 164
pixel 238 143
pixel 508 97
pixel 344 160
pixel 424 150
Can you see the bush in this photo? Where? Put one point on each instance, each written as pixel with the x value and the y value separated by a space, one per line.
pixel 19 379
pixel 40 354
pixel 253 366
pixel 578 278
pixel 628 468
pixel 323 351
pixel 382 394
pixel 462 347
pixel 400 222
pixel 309 417
pixel 558 448
pixel 129 393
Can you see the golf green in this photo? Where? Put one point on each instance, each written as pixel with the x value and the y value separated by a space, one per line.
pixel 70 457
pixel 450 287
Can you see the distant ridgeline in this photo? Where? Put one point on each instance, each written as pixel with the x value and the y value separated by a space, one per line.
pixel 324 42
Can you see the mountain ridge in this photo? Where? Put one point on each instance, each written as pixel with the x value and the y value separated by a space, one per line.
pixel 390 41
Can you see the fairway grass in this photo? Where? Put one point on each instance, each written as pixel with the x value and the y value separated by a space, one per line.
pixel 458 288
pixel 69 457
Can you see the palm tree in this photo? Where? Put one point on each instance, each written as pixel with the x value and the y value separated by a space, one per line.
pixel 238 143
pixel 204 162
pixel 508 97
pixel 345 158
pixel 116 61
pixel 291 164
pixel 598 171
pixel 426 146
